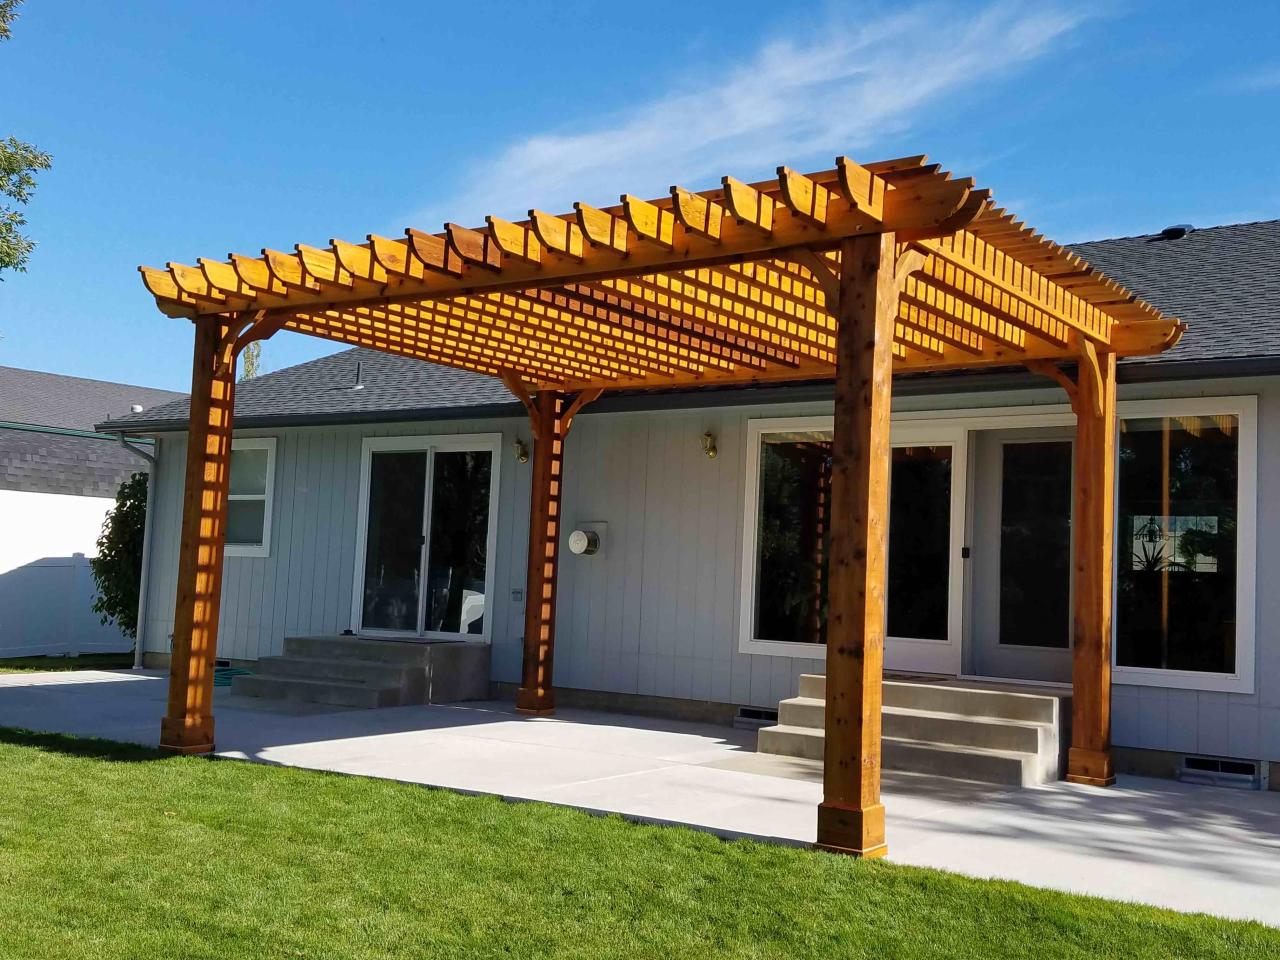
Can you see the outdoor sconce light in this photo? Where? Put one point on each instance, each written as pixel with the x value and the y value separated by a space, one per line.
pixel 709 445
pixel 521 451
pixel 584 543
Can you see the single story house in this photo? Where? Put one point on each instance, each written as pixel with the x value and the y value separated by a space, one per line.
pixel 389 497
pixel 58 481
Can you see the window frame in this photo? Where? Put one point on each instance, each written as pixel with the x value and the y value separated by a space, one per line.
pixel 1245 409
pixel 428 444
pixel 905 434
pixel 267 496
pixel 912 426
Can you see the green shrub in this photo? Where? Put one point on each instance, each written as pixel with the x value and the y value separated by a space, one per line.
pixel 117 569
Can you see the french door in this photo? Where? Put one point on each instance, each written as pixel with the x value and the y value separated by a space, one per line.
pixel 1022 554
pixel 427 536
pixel 925 587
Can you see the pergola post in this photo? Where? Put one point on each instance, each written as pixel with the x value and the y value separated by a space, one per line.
pixel 851 816
pixel 550 425
pixel 1089 760
pixel 188 723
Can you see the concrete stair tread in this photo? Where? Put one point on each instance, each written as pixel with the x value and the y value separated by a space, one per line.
pixel 317 690
pixel 941 745
pixel 335 662
pixel 920 712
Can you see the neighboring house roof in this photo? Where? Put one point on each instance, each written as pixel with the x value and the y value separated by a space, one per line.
pixel 1223 281
pixel 44 422
pixel 73 403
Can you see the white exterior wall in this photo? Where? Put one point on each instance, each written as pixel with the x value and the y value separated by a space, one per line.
pixel 656 612
pixel 34 526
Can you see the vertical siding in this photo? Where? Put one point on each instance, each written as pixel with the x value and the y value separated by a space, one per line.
pixel 657 612
pixel 306 584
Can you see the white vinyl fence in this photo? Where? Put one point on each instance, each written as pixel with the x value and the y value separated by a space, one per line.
pixel 46 608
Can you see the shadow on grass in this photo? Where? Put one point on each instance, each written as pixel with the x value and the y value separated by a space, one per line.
pixel 86 748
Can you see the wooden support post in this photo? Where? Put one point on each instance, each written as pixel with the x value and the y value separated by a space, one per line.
pixel 851 817
pixel 1089 760
pixel 547 416
pixel 188 723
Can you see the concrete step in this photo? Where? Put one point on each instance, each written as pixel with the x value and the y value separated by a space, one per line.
pixel 332 692
pixel 341 669
pixel 357 648
pixel 933 726
pixel 944 698
pixel 980 764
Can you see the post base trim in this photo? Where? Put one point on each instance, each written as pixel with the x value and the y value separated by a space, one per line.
pixel 852 831
pixel 186 749
pixel 1090 781
pixel 186 735
pixel 535 703
pixel 1091 767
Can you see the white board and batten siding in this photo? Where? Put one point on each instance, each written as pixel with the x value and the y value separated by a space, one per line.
pixel 657 611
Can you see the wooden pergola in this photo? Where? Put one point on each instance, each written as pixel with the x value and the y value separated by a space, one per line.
pixel 852 274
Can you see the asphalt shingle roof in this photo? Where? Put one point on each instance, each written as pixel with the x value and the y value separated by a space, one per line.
pixel 1223 281
pixel 73 403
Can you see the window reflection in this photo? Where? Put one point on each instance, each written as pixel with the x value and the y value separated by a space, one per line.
pixel 1176 565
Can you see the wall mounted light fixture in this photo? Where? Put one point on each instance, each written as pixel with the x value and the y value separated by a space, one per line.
pixel 521 451
pixel 709 445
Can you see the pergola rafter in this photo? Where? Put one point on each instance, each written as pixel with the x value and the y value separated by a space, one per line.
pixel 850 274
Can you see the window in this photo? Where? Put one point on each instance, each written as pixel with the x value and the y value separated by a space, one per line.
pixel 427 535
pixel 788 539
pixel 1184 542
pixel 253 463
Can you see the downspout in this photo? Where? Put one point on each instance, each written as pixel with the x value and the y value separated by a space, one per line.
pixel 153 458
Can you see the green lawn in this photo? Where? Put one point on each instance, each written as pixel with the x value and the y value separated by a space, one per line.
pixel 112 851
pixel 86 661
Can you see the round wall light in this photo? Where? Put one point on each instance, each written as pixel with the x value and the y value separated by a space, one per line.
pixel 584 543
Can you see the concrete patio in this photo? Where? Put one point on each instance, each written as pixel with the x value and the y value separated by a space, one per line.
pixel 1155 841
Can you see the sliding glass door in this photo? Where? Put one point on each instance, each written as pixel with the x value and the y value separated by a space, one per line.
pixel 427 536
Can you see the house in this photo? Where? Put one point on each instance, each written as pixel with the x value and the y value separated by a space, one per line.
pixel 696 602
pixel 58 481
pixel 719 509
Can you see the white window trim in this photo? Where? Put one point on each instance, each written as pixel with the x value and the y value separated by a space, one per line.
pixel 943 423
pixel 915 652
pixel 428 443
pixel 253 549
pixel 1245 409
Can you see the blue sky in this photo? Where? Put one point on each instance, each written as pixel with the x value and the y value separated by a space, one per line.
pixel 181 130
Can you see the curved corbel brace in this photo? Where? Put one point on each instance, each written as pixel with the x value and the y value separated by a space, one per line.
pixel 242 330
pixel 823 272
pixel 517 387
pixel 910 261
pixel 580 401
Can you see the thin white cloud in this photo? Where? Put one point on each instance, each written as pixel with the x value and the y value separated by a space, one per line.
pixel 837 89
pixel 1264 78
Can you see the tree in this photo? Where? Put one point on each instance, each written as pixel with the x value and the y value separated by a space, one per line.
pixel 251 361
pixel 117 569
pixel 19 163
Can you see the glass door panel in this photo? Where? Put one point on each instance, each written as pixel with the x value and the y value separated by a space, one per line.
pixel 394 539
pixel 458 541
pixel 1020 572
pixel 1035 545
pixel 920 542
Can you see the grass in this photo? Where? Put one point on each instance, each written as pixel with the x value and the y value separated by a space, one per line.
pixel 110 851
pixel 86 661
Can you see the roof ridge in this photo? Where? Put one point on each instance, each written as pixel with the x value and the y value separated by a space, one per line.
pixel 107 383
pixel 1145 236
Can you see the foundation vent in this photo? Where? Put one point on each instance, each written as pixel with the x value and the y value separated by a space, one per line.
pixel 753 718
pixel 1221 772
